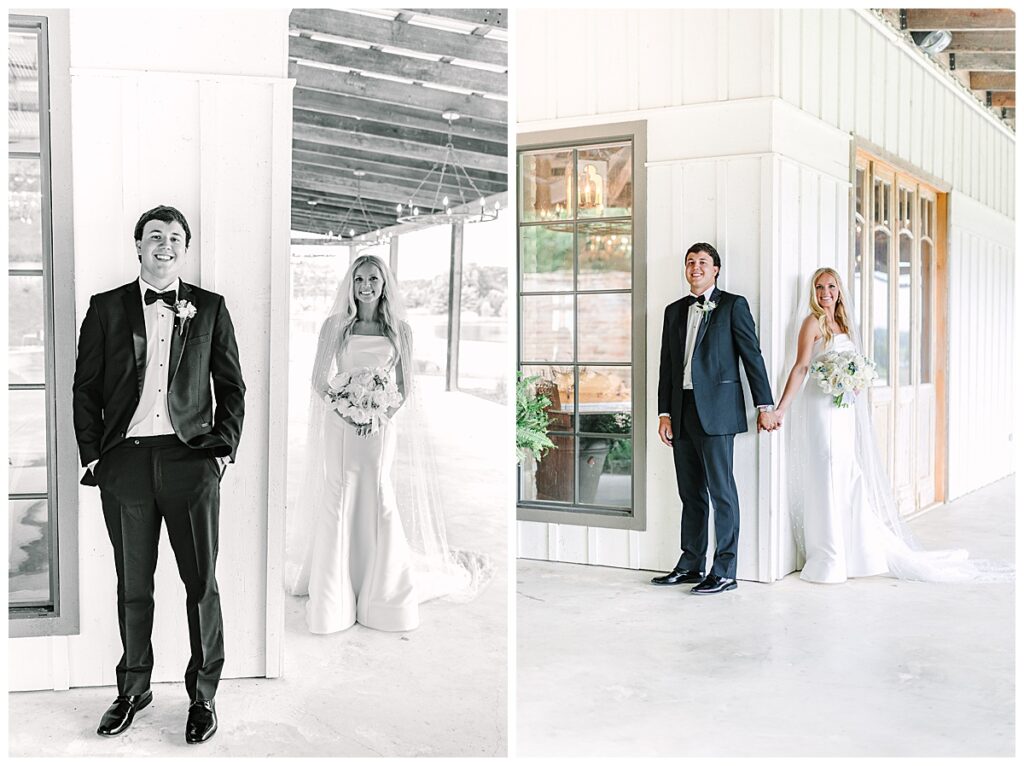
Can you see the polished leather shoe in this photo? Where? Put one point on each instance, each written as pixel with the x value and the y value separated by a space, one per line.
pixel 678 576
pixel 202 722
pixel 120 715
pixel 714 584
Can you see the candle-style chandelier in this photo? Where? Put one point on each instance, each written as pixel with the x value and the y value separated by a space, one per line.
pixel 358 215
pixel 463 203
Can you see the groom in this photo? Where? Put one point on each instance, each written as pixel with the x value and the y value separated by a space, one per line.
pixel 152 442
pixel 700 401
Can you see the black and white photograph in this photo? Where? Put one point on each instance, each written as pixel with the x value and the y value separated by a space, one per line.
pixel 260 453
pixel 765 344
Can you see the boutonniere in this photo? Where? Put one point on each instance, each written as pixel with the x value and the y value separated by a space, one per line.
pixel 184 311
pixel 706 307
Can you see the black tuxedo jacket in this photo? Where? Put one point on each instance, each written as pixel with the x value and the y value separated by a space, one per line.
pixel 112 361
pixel 724 337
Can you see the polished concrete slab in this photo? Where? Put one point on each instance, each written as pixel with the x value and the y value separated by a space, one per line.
pixel 440 690
pixel 610 665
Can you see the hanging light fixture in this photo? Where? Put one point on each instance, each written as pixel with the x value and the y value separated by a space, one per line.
pixel 358 216
pixel 467 204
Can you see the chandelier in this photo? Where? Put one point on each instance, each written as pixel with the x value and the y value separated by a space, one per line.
pixel 467 205
pixel 357 215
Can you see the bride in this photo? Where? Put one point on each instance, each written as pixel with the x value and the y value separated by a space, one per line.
pixel 846 522
pixel 364 555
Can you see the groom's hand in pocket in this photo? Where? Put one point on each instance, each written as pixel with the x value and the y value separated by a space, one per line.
pixel 665 430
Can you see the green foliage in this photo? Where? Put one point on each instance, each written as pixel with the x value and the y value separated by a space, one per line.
pixel 531 419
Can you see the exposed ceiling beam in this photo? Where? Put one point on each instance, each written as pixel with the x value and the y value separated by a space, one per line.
pixel 376 186
pixel 992 81
pixel 388 91
pixel 985 62
pixel 339 204
pixel 982 42
pixel 482 17
pixel 396 147
pixel 395 114
pixel 921 19
pixel 356 157
pixel 401 34
pixel 1004 98
pixel 394 65
pixel 373 128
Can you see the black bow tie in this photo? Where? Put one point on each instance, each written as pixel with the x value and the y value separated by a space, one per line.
pixel 169 297
pixel 693 300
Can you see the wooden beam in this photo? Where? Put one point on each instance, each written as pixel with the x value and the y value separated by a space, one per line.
pixel 340 201
pixel 982 42
pixel 390 92
pixel 431 138
pixel 397 114
pixel 985 62
pixel 394 65
pixel 324 224
pixel 357 156
pixel 953 19
pixel 481 17
pixel 400 34
pixel 396 147
pixel 454 308
pixel 379 171
pixel 1004 98
pixel 393 256
pixel 992 80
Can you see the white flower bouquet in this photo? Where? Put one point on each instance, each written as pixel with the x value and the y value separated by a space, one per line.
pixel 364 396
pixel 843 374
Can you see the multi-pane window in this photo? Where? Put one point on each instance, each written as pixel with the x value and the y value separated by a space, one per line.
pixel 882 225
pixel 42 468
pixel 576 292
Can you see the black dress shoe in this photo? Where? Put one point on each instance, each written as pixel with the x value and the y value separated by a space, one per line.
pixel 120 715
pixel 714 584
pixel 678 576
pixel 202 721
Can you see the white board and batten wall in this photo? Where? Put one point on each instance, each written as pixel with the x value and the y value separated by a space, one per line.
pixel 186 117
pixel 750 121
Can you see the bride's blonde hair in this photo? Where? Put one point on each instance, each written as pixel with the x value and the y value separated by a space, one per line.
pixel 841 317
pixel 390 309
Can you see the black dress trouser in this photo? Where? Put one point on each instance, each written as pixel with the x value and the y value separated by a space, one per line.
pixel 143 481
pixel 704 469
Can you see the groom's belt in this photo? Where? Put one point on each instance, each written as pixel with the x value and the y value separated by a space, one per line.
pixel 164 440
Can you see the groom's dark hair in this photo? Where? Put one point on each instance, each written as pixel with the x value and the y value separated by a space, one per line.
pixel 164 213
pixel 698 247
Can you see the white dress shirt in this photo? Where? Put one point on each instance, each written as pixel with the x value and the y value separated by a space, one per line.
pixel 693 319
pixel 151 417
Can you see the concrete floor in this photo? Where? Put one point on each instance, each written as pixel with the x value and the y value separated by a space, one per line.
pixel 440 690
pixel 610 665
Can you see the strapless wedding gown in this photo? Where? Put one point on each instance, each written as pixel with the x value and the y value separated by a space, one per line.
pixel 842 536
pixel 361 567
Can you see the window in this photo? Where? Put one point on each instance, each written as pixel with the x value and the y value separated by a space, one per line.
pixel 42 465
pixel 581 321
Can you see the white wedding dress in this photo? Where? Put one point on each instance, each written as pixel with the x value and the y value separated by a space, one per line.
pixel 845 519
pixel 360 567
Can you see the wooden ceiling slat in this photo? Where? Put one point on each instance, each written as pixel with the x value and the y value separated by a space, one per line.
pixel 400 34
pixel 340 203
pixel 381 171
pixel 982 42
pixel 408 117
pixel 395 147
pixel 394 65
pixel 1004 98
pixel 992 80
pixel 985 62
pixel 374 128
pixel 387 91
pixel 357 158
pixel 953 19
pixel 391 190
pixel 482 17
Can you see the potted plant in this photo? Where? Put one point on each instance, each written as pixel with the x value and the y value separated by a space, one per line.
pixel 531 420
pixel 594 451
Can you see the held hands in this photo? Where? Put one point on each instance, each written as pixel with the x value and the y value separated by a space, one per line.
pixel 769 421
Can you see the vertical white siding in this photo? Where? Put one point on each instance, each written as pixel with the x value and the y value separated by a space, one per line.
pixel 128 156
